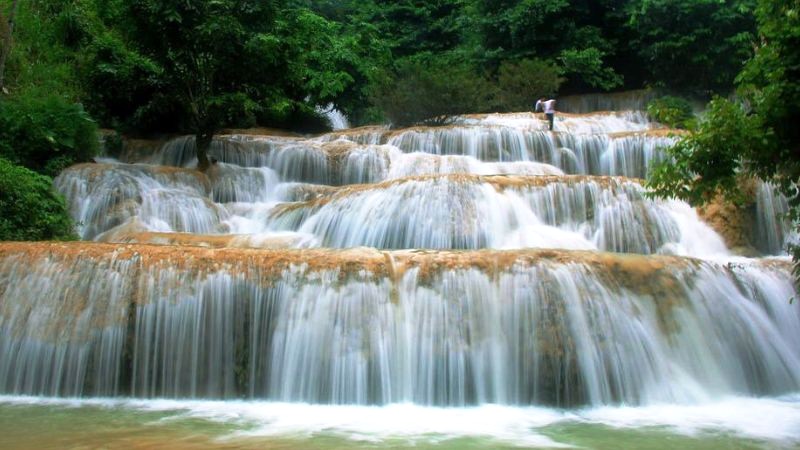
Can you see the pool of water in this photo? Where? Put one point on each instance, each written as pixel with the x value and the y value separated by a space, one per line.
pixel 734 423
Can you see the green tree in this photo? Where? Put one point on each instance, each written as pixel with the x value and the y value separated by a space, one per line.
pixel 197 66
pixel 30 209
pixel 412 27
pixel 692 45
pixel 431 90
pixel 328 62
pixel 519 84
pixel 212 61
pixel 587 64
pixel 757 137
pixel 576 34
pixel 711 159
pixel 6 39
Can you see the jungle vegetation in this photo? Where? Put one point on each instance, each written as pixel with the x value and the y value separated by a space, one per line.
pixel 145 67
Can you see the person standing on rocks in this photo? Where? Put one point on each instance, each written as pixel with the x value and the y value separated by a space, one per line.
pixel 549 108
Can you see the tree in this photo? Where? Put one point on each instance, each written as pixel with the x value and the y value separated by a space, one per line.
pixel 755 137
pixel 6 39
pixel 692 45
pixel 519 84
pixel 213 60
pixel 328 62
pixel 431 90
pixel 574 33
pixel 197 66
pixel 412 27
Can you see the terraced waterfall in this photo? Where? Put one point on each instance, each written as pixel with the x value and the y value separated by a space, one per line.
pixel 488 283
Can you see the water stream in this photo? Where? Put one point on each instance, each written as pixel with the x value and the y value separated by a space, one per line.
pixel 487 284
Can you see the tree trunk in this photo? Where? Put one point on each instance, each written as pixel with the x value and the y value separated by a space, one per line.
pixel 7 40
pixel 203 143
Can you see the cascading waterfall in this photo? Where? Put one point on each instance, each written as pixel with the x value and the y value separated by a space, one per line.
pixel 487 262
pixel 773 231
pixel 608 144
pixel 369 327
pixel 470 212
pixel 629 100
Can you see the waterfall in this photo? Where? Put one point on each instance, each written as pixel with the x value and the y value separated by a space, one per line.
pixel 617 101
pixel 335 117
pixel 369 327
pixel 773 229
pixel 490 263
pixel 471 212
pixel 605 144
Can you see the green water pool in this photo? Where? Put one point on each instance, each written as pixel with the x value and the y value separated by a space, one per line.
pixel 30 423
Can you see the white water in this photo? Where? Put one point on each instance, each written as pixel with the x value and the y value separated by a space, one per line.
pixel 242 194
pixel 623 341
pixel 776 421
pixel 441 212
pixel 472 213
pixel 570 331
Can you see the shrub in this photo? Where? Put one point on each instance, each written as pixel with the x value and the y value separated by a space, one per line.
pixel 586 65
pixel 707 162
pixel 519 84
pixel 431 90
pixel 30 209
pixel 37 129
pixel 674 112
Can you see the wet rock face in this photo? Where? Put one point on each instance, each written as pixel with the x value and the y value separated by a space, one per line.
pixel 732 222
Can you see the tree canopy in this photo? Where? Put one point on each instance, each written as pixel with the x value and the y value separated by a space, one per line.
pixel 197 66
pixel 194 65
pixel 754 136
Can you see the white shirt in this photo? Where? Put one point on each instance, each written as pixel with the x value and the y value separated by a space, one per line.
pixel 549 106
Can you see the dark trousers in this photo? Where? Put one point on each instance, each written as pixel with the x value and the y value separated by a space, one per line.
pixel 550 119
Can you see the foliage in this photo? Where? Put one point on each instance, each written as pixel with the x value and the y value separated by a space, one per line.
pixel 758 137
pixel 578 35
pixel 675 112
pixel 192 46
pixel 198 66
pixel 770 82
pixel 692 45
pixel 134 63
pixel 408 27
pixel 39 62
pixel 31 209
pixel 587 64
pixel 118 79
pixel 513 29
pixel 46 133
pixel 431 91
pixel 519 84
pixel 709 160
pixel 329 62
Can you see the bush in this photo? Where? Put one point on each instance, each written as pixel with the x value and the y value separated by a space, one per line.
pixel 31 209
pixel 431 90
pixel 674 112
pixel 519 84
pixel 707 162
pixel 46 132
pixel 586 65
